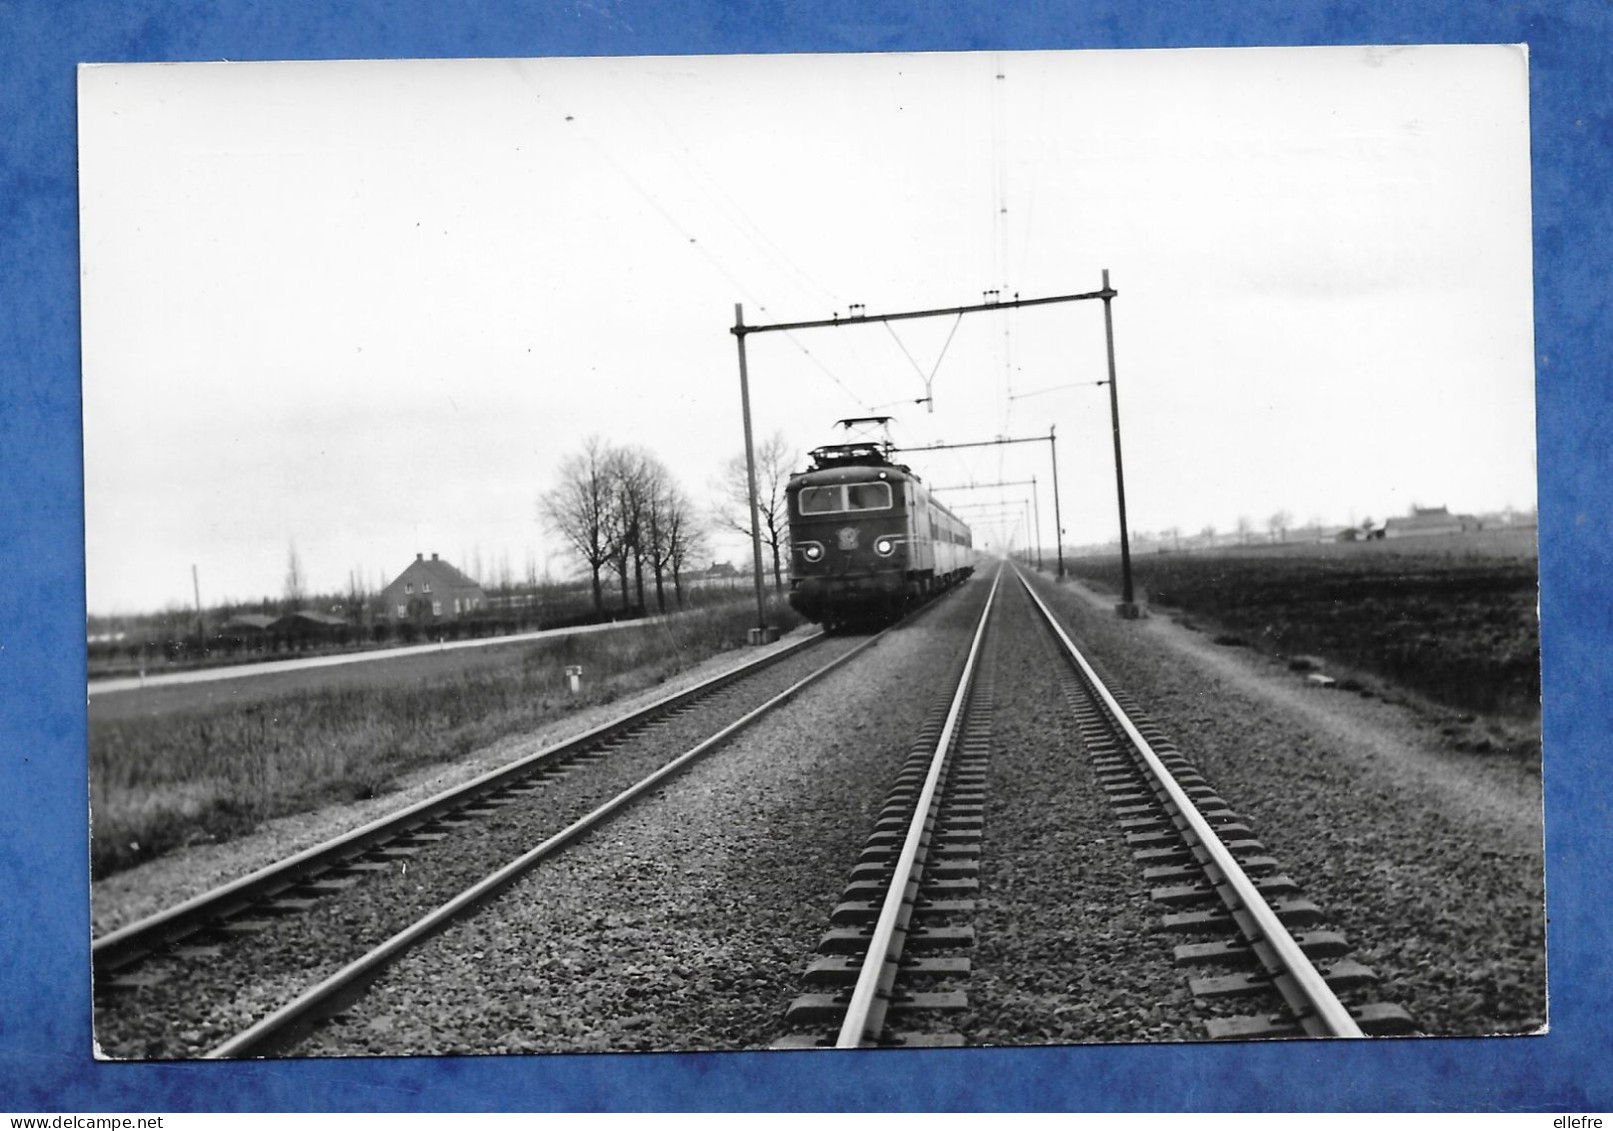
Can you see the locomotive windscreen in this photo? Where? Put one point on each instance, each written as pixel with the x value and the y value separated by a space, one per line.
pixel 868 496
pixel 837 497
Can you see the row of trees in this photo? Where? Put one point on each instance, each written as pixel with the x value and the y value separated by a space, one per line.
pixel 620 511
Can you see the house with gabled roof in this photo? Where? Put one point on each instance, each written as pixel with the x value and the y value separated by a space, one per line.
pixel 430 591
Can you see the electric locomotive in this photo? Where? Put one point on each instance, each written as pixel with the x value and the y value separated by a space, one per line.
pixel 867 539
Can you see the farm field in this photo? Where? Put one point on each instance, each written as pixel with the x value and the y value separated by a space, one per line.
pixel 192 763
pixel 1452 618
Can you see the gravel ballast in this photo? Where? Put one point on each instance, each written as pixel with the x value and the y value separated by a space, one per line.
pixel 686 923
pixel 1428 858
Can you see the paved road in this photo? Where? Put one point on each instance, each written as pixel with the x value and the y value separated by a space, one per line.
pixel 238 671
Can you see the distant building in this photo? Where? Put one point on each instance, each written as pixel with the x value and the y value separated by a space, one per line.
pixel 304 623
pixel 718 573
pixel 1425 521
pixel 430 592
pixel 247 626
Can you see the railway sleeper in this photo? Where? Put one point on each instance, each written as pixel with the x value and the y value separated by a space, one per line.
pixel 108 973
pixel 1181 853
pixel 240 928
pixel 286 905
pixel 329 885
pixel 888 848
pixel 1228 833
pixel 889 1040
pixel 1189 869
pixel 1138 824
pixel 1204 889
pixel 837 970
pixel 456 820
pixel 854 940
pixel 1341 976
pixel 922 1041
pixel 929 888
pixel 887 855
pixel 1376 1019
pixel 132 982
pixel 1292 913
pixel 809 1009
pixel 1137 787
pixel 940 869
pixel 867 910
pixel 942 834
pixel 1317 945
pixel 948 821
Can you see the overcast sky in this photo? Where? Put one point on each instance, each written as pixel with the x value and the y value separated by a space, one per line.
pixel 368 307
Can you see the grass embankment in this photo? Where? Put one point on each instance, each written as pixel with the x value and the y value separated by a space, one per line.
pixel 204 762
pixel 1451 618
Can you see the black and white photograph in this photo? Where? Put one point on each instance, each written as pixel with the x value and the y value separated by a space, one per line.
pixel 725 553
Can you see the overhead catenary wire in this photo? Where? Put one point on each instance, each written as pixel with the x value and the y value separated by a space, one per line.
pixel 691 241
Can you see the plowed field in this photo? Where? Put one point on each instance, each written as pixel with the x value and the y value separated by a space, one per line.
pixel 1453 619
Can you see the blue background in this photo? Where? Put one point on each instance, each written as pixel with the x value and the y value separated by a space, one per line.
pixel 45 1061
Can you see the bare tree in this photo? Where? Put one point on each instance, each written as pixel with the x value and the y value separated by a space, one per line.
pixel 581 509
pixel 1245 528
pixel 775 460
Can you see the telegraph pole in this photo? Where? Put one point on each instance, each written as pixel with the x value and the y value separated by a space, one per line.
pixel 1058 516
pixel 1128 604
pixel 760 634
pixel 1036 505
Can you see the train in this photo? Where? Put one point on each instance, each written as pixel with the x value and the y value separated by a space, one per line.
pixel 867 538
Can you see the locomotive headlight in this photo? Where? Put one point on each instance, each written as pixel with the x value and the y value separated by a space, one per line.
pixel 883 547
pixel 812 551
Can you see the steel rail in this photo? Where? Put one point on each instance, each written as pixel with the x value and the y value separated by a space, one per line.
pixel 853 1030
pixel 1331 1013
pixel 126 944
pixel 287 1023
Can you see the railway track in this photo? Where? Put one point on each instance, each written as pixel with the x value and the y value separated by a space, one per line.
pixel 894 963
pixel 1257 958
pixel 893 969
pixel 1217 888
pixel 232 959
